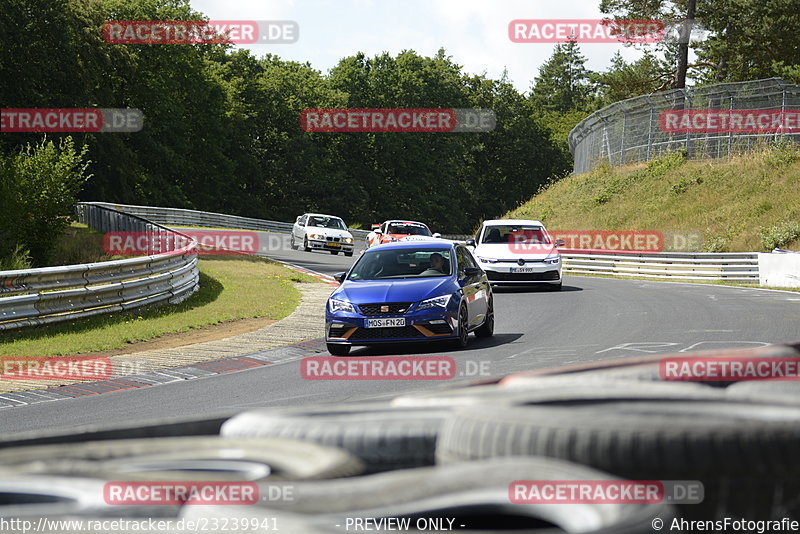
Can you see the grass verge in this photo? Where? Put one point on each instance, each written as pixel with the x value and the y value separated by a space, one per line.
pixel 230 289
pixel 748 203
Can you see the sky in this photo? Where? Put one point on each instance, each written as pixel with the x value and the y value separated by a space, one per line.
pixel 473 32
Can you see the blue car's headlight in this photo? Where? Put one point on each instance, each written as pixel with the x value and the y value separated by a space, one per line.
pixel 553 261
pixel 434 302
pixel 340 305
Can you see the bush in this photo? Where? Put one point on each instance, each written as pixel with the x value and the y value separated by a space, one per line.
pixel 660 166
pixel 18 259
pixel 684 183
pixel 779 235
pixel 78 244
pixel 717 244
pixel 39 186
pixel 782 152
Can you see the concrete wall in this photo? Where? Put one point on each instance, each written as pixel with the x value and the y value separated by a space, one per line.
pixel 779 270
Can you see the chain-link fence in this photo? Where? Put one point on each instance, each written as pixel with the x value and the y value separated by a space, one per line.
pixel 634 130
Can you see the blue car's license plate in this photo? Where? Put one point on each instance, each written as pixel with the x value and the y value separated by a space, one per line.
pixel 388 322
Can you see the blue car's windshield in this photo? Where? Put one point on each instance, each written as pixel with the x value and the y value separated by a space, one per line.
pixel 402 263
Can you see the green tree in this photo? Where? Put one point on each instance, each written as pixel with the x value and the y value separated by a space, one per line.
pixel 405 174
pixel 625 80
pixel 221 127
pixel 563 82
pixel 746 39
pixel 670 12
pixel 749 39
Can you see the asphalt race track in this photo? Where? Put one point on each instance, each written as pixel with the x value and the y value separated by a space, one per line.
pixel 591 319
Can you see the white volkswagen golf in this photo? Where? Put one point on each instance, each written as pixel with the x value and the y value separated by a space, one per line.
pixel 517 251
pixel 315 231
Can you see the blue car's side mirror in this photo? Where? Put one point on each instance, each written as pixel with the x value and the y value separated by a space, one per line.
pixel 339 277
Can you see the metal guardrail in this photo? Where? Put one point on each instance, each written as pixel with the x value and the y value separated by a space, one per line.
pixel 730 266
pixel 206 219
pixel 47 295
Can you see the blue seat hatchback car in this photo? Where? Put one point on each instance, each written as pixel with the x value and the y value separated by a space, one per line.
pixel 409 291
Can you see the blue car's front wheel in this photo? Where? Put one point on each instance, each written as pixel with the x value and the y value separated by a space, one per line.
pixel 463 323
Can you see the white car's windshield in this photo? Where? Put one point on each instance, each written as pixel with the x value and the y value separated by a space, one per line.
pixel 496 234
pixel 326 222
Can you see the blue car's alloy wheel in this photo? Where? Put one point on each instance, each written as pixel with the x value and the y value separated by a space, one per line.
pixel 463 323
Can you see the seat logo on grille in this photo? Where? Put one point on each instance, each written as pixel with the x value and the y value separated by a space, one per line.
pixel 384 309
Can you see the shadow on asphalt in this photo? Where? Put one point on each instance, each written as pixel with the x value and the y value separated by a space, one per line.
pixel 436 347
pixel 538 288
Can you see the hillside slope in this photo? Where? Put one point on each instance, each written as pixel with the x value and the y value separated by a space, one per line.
pixel 750 203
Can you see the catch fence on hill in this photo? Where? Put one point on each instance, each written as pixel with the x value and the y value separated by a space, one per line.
pixel 639 129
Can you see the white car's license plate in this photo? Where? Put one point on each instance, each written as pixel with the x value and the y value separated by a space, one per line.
pixel 523 270
pixel 388 322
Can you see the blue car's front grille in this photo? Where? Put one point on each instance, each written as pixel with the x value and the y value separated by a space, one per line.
pixel 384 308
pixel 398 332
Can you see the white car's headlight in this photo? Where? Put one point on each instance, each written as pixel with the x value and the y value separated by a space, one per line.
pixel 348 240
pixel 552 260
pixel 317 236
pixel 434 302
pixel 335 305
pixel 487 260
